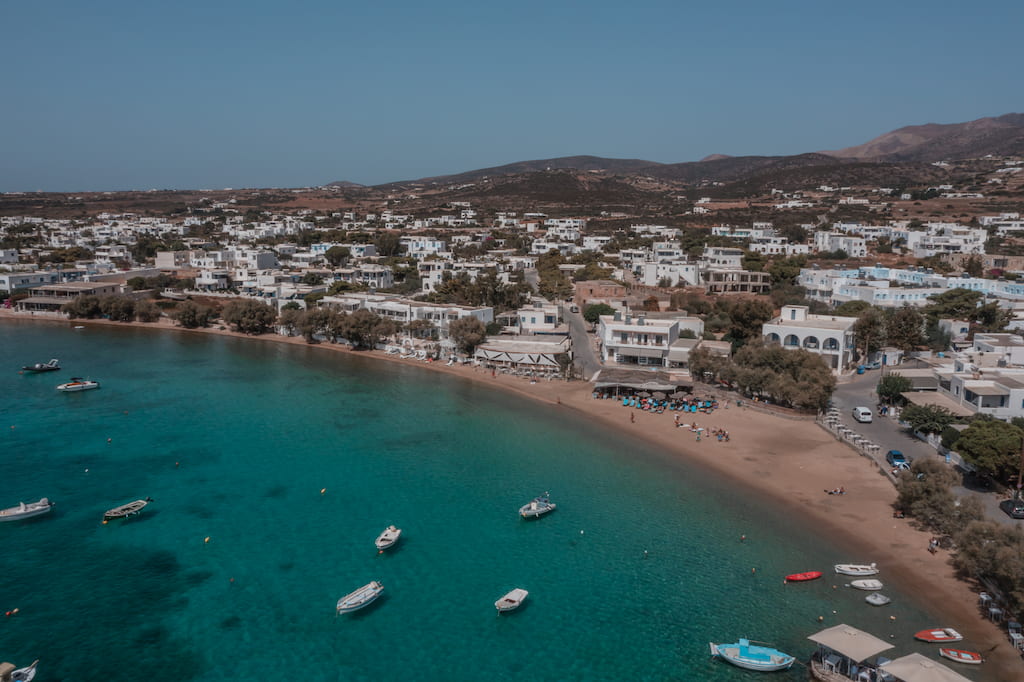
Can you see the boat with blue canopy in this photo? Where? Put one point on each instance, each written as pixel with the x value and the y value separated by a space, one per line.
pixel 752 656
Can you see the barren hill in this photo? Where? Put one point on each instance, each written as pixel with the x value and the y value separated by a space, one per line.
pixel 1000 136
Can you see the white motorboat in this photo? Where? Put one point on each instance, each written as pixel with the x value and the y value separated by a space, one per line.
pixel 388 538
pixel 868 585
pixel 857 569
pixel 538 506
pixel 51 366
pixel 877 599
pixel 511 601
pixel 26 511
pixel 78 384
pixel 8 672
pixel 364 596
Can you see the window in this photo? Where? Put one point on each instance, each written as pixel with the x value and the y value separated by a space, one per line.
pixel 792 314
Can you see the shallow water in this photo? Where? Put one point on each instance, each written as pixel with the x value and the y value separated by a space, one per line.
pixel 236 439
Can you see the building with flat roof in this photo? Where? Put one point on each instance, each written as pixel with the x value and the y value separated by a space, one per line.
pixel 829 336
pixel 51 297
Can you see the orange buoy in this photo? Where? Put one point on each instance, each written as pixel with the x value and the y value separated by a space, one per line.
pixel 206 539
pixel 323 490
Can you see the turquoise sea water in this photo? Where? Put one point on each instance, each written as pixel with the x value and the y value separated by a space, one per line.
pixel 235 439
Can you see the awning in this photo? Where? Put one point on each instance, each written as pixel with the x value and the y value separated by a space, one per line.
pixel 918 668
pixel 850 642
pixel 938 400
pixel 641 352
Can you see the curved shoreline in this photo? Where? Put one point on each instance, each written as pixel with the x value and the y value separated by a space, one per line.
pixel 788 462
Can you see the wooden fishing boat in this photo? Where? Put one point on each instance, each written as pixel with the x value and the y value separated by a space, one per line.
pixel 126 510
pixel 856 569
pixel 803 577
pixel 751 656
pixel 511 601
pixel 938 635
pixel 869 585
pixel 961 656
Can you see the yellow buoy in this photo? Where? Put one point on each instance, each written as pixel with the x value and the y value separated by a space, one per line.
pixel 206 539
pixel 323 490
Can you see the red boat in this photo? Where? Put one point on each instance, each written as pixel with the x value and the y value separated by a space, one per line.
pixel 939 635
pixel 961 656
pixel 802 577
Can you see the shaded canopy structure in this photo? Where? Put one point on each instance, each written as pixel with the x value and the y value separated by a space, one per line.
pixel 639 380
pixel 918 668
pixel 847 640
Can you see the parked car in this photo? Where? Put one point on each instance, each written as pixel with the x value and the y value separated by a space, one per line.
pixel 897 459
pixel 862 414
pixel 1013 508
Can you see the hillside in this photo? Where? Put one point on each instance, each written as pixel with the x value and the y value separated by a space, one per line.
pixel 581 163
pixel 1002 136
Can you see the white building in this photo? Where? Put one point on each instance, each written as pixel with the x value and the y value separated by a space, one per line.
pixel 825 242
pixel 642 339
pixel 829 336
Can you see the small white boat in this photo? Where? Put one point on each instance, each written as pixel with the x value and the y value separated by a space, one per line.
pixel 78 384
pixel 388 538
pixel 538 506
pixel 857 569
pixel 26 511
pixel 752 657
pixel 877 599
pixel 364 596
pixel 868 585
pixel 8 672
pixel 511 601
pixel 51 366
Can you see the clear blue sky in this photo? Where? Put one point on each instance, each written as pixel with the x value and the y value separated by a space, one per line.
pixel 137 95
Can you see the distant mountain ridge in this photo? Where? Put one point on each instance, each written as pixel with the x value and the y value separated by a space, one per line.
pixel 1000 136
pixel 919 144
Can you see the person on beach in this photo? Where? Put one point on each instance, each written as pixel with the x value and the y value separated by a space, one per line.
pixel 632 417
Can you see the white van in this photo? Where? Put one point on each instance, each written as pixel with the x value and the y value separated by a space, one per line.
pixel 862 414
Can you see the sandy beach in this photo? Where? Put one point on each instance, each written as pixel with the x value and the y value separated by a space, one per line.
pixel 790 462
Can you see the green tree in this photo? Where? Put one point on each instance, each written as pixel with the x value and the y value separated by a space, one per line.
pixel 747 317
pixel 388 243
pixel 291 319
pixel 337 255
pixel 974 266
pixel 467 333
pixel 926 494
pixel 927 418
pixel 993 447
pixel 85 306
pixel 869 331
pixel 249 316
pixel 851 308
pixel 146 311
pixel 891 386
pixel 786 269
pixel 959 304
pixel 904 328
pixel 191 315
pixel 312 279
pixel 594 311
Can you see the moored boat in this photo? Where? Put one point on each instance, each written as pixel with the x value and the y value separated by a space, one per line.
pixel 364 596
pixel 50 366
pixel 961 656
pixel 538 506
pixel 803 577
pixel 388 538
pixel 751 656
pixel 511 601
pixel 869 585
pixel 9 673
pixel 857 569
pixel 78 384
pixel 877 599
pixel 26 511
pixel 938 635
pixel 126 510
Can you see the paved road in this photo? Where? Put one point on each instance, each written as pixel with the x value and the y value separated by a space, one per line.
pixel 585 358
pixel 888 435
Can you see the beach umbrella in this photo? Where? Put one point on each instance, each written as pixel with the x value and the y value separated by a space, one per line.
pixel 658 395
pixel 644 394
pixel 677 395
